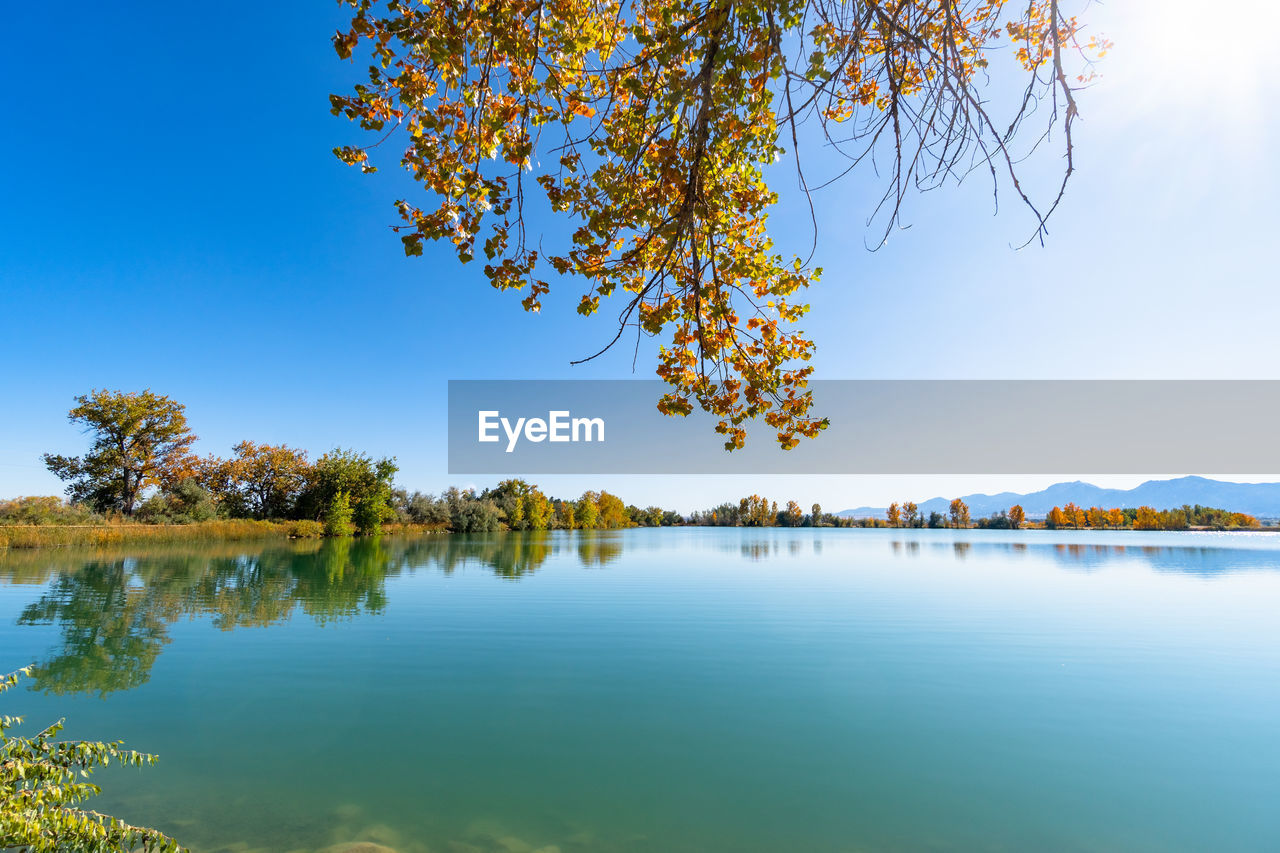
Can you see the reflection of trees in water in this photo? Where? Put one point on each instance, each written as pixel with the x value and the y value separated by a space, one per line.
pixel 597 550
pixel 112 629
pixel 114 611
pixel 1201 560
pixel 911 546
pixel 1193 560
pixel 114 614
pixel 508 555
pixel 758 549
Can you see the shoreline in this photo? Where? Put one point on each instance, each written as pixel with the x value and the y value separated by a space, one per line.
pixel 41 536
pixel 33 536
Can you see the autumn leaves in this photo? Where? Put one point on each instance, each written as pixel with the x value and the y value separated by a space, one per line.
pixel 648 125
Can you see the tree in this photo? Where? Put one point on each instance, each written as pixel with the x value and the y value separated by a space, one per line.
pixel 470 513
pixel 564 515
pixel 1115 517
pixel 357 475
pixel 419 508
pixel 613 512
pixel 894 515
pixel 42 783
pixel 995 521
pixel 337 516
pixel 936 519
pixel 755 511
pixel 1017 516
pixel 1055 519
pixel 655 516
pixel 186 501
pixel 793 515
pixel 370 513
pixel 587 511
pixel 267 478
pixel 137 436
pixel 538 511
pixel 1147 519
pixel 523 505
pixel 959 513
pixel 910 515
pixel 817 515
pixel 649 126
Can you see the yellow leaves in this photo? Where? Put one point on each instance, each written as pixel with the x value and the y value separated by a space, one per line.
pixel 840 111
pixel 663 185
pixel 1099 46
pixel 674 404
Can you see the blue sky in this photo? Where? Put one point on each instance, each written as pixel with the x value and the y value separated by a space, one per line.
pixel 173 218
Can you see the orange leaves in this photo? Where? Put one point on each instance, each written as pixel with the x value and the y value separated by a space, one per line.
pixel 577 108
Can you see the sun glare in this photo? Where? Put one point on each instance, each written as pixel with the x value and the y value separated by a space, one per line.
pixel 1180 50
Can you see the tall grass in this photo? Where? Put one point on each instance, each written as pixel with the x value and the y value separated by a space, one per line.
pixel 224 530
pixel 396 527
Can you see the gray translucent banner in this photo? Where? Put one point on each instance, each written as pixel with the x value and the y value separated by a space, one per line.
pixel 877 427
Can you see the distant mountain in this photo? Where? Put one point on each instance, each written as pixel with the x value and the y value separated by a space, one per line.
pixel 1260 499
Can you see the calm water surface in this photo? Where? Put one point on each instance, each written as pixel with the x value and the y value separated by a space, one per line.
pixel 673 690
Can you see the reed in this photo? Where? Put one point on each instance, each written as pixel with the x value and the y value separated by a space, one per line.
pixel 221 530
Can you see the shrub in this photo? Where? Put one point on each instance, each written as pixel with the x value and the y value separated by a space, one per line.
pixel 370 513
pixel 42 783
pixel 305 529
pixel 188 502
pixel 337 516
pixel 44 510
pixel 476 516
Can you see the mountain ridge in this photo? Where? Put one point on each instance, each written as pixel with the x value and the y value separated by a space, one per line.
pixel 1259 499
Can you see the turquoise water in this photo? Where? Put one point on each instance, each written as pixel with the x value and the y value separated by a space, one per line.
pixel 673 690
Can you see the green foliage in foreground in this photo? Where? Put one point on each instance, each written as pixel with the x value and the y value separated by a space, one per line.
pixel 42 781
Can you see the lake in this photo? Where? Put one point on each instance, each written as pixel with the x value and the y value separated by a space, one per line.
pixel 672 690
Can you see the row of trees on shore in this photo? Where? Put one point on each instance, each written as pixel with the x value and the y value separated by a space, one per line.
pixel 908 514
pixel 519 505
pixel 140 467
pixel 1147 518
pixel 1074 517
